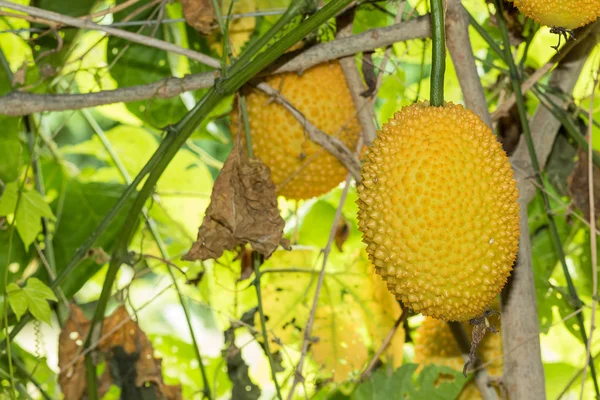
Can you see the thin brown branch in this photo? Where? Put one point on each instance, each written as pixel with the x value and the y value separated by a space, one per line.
pixel 332 144
pixel 365 111
pixel 28 18
pixel 524 376
pixel 461 52
pixel 386 342
pixel 111 10
pixel 307 339
pixel 594 254
pixel 482 379
pixel 132 37
pixel 17 103
pixel 503 109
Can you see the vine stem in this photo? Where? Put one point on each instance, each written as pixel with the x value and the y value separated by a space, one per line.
pixel 516 84
pixel 256 259
pixel 177 135
pixel 256 262
pixel 307 339
pixel 438 53
pixel 594 254
pixel 150 223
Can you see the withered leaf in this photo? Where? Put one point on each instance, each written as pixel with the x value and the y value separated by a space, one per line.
pixel 243 210
pixel 341 234
pixel 368 69
pixel 199 14
pixel 578 185
pixel 122 334
pixel 126 348
pixel 246 264
pixel 70 361
pixel 237 370
pixel 481 325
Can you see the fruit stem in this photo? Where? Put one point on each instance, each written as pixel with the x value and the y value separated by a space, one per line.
pixel 438 53
pixel 576 302
pixel 256 264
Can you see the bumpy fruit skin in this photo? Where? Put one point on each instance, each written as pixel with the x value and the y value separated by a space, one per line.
pixel 435 344
pixel 568 14
pixel 438 210
pixel 300 168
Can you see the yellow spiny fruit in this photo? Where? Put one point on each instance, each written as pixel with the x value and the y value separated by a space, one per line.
pixel 300 168
pixel 435 344
pixel 438 210
pixel 568 14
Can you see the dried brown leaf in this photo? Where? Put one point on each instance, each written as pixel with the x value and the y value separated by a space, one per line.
pixel 118 332
pixel 578 185
pixel 243 210
pixel 20 75
pixel 368 69
pixel 481 325
pixel 121 331
pixel 246 264
pixel 70 361
pixel 199 14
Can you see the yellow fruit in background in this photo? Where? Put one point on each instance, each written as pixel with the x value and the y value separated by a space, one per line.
pixel 300 168
pixel 435 344
pixel 438 210
pixel 240 29
pixel 568 14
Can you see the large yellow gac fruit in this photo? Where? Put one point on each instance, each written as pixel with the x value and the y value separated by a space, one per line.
pixel 438 210
pixel 569 14
pixel 435 344
pixel 300 168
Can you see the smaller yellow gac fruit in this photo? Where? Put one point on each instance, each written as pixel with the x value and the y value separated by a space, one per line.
pixel 300 168
pixel 435 344
pixel 438 210
pixel 240 29
pixel 568 14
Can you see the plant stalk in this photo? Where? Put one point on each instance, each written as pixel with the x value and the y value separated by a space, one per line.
pixel 177 136
pixel 438 53
pixel 516 84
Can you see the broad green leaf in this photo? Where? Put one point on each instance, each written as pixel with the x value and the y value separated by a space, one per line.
pixel 184 187
pixel 180 365
pixel 33 297
pixel 557 376
pixel 352 295
pixel 84 206
pixel 32 207
pixel 17 300
pixel 433 382
pixel 19 257
pixel 10 148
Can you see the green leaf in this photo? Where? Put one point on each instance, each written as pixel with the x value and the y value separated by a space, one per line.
pixel 32 208
pixel 352 295
pixel 58 52
pixel 382 385
pixel 139 64
pixel 19 258
pixel 17 300
pixel 399 385
pixel 32 297
pixel 10 148
pixel 84 206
